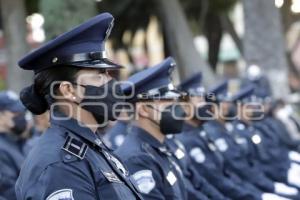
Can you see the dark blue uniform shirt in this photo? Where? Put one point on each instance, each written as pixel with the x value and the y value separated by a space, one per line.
pixel 274 162
pixel 235 149
pixel 255 150
pixel 280 129
pixel 196 185
pixel 209 163
pixel 116 134
pixel 71 162
pixel 11 159
pixel 152 166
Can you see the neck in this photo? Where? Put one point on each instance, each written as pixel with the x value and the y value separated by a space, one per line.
pixel 193 123
pixel 220 119
pixel 81 116
pixel 245 121
pixel 152 128
pixel 4 130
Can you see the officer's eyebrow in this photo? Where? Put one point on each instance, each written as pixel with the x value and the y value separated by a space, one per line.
pixel 102 71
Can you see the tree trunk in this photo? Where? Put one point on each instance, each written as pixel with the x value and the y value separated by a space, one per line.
pixel 14 25
pixel 288 17
pixel 214 33
pixel 228 26
pixel 180 41
pixel 264 42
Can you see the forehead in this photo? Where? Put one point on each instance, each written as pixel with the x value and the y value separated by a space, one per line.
pixel 91 71
pixel 196 99
pixel 86 74
pixel 160 103
pixel 7 112
pixel 226 104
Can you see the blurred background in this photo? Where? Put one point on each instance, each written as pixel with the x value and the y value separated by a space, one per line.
pixel 222 38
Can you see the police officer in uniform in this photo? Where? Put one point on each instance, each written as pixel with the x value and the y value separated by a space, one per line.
pixel 277 126
pixel 71 80
pixel 197 186
pixel 158 114
pixel 236 161
pixel 192 86
pixel 115 136
pixel 243 144
pixel 205 157
pixel 12 124
pixel 268 154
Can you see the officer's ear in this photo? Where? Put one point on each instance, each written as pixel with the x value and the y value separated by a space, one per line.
pixel 214 108
pixel 67 91
pixel 6 118
pixel 188 107
pixel 143 109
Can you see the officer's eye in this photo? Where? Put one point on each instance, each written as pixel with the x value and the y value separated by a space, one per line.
pixel 102 71
pixel 104 77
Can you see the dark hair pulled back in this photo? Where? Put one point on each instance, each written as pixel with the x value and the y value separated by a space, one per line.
pixel 37 97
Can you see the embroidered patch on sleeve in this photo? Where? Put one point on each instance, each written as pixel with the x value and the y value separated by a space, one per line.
pixel 64 194
pixel 144 180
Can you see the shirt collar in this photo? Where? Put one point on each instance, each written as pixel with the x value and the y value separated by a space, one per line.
pixel 215 123
pixel 71 124
pixel 147 137
pixel 11 137
pixel 190 128
pixel 241 122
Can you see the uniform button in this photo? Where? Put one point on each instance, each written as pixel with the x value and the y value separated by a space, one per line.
pixel 68 157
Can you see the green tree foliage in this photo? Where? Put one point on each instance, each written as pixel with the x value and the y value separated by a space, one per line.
pixel 129 15
pixel 204 16
pixel 62 15
pixel 32 6
pixel 221 5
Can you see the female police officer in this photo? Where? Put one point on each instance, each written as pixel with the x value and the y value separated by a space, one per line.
pixel 71 80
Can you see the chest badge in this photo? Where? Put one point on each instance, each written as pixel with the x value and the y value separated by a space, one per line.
pixel 117 163
pixel 179 153
pixel 171 178
pixel 212 146
pixel 111 177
